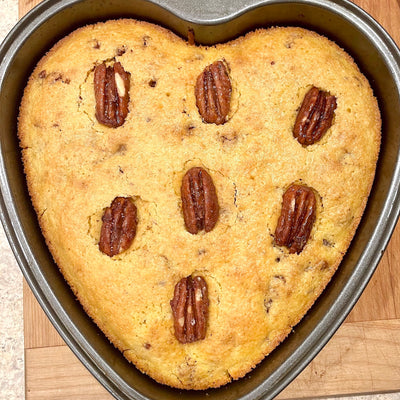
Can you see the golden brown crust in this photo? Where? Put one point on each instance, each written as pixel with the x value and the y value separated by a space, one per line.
pixel 258 291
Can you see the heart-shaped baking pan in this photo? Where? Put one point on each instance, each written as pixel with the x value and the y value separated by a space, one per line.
pixel 340 20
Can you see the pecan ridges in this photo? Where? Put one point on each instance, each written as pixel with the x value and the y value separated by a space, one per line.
pixel 213 93
pixel 119 226
pixel 314 117
pixel 190 309
pixel 199 201
pixel 296 219
pixel 111 89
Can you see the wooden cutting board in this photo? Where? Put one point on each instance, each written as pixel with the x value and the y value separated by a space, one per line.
pixel 362 357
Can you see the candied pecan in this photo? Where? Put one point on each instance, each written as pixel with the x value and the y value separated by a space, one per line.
pixel 119 226
pixel 314 117
pixel 213 93
pixel 111 89
pixel 199 201
pixel 190 309
pixel 296 219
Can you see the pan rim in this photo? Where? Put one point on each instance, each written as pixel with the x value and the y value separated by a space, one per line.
pixel 323 331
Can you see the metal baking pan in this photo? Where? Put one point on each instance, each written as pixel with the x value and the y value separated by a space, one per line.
pixel 341 21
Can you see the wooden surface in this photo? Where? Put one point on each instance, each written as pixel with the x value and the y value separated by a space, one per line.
pixel 362 357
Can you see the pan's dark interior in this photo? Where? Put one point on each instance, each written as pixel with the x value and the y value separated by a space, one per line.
pixel 108 364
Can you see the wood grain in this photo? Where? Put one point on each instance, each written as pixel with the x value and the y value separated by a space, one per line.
pixel 38 330
pixel 362 357
pixel 381 298
pixel 55 373
pixel 26 5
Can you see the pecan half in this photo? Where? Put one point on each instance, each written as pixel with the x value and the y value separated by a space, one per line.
pixel 315 116
pixel 296 219
pixel 213 93
pixel 199 201
pixel 190 309
pixel 111 90
pixel 119 226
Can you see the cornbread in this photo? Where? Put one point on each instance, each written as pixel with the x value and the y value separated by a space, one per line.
pixel 257 290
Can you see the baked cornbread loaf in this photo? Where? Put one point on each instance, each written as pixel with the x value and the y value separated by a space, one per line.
pixel 252 283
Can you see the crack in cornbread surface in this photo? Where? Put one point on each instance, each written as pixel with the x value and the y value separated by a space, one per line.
pixel 257 291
